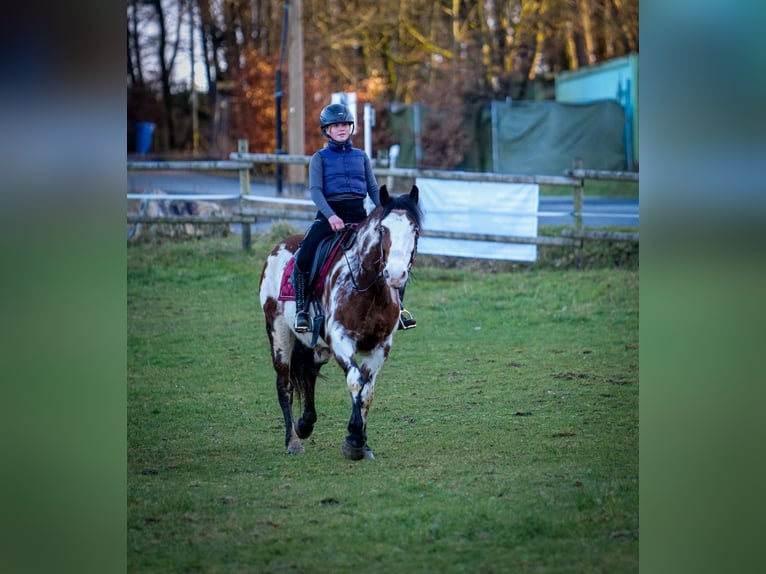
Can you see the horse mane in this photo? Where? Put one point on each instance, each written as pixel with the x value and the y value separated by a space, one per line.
pixel 404 203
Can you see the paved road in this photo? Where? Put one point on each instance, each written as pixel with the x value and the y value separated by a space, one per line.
pixel 598 212
pixel 191 182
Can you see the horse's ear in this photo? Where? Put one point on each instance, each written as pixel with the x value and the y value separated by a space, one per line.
pixel 384 197
pixel 414 192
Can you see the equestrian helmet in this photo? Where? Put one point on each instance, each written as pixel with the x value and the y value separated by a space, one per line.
pixel 335 114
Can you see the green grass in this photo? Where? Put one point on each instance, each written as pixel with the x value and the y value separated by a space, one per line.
pixel 505 427
pixel 597 188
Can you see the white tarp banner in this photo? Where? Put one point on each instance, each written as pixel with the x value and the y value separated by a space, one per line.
pixel 479 207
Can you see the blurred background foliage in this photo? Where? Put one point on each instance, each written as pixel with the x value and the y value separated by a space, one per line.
pixel 447 54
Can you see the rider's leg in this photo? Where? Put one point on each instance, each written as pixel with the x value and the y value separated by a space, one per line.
pixel 303 261
pixel 302 319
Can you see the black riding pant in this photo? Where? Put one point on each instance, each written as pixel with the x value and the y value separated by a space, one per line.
pixel 350 211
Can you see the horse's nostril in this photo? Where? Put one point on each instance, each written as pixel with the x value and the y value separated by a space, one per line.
pixel 398 280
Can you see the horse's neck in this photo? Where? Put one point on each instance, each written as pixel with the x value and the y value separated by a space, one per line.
pixel 364 256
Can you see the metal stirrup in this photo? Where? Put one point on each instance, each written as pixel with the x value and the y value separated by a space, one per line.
pixel 403 319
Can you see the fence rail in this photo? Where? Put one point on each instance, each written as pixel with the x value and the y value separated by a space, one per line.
pixel 251 208
pixel 195 165
pixel 603 175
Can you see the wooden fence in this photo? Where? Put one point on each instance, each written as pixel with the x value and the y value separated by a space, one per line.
pixel 251 209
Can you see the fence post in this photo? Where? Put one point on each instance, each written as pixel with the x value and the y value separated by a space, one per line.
pixel 577 198
pixel 244 190
pixel 577 204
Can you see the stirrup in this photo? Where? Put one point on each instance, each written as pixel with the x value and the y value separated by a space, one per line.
pixel 406 321
pixel 302 322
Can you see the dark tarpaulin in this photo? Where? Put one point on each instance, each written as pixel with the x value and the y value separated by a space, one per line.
pixel 531 137
pixel 545 138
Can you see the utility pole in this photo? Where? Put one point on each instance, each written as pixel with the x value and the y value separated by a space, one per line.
pixel 279 94
pixel 296 121
pixel 195 113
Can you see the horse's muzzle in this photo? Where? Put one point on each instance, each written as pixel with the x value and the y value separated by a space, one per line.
pixel 396 279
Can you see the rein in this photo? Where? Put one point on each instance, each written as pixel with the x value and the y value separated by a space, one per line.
pixel 377 278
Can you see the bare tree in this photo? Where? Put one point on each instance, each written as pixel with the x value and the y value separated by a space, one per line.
pixel 167 49
pixel 135 66
pixel 386 51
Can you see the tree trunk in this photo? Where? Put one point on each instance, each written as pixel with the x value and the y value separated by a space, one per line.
pixel 608 31
pixel 167 102
pixel 134 47
pixel 587 30
pixel 627 30
pixel 571 47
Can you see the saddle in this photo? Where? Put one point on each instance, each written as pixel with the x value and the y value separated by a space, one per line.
pixel 324 255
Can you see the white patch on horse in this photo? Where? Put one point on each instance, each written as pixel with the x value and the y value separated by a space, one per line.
pixel 272 277
pixel 402 237
pixel 344 348
pixel 374 360
pixel 272 283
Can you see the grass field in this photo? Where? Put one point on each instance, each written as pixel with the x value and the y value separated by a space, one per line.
pixel 505 427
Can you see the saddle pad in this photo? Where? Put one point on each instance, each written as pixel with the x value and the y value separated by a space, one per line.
pixel 286 291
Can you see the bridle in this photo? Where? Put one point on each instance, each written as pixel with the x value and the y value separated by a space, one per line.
pixel 381 259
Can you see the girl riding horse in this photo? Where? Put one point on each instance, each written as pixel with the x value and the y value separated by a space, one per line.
pixel 340 177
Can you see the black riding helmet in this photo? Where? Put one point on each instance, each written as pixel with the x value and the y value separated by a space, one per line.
pixel 335 114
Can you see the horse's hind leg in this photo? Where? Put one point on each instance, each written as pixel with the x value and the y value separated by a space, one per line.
pixel 285 396
pixel 304 371
pixel 282 344
pixel 306 423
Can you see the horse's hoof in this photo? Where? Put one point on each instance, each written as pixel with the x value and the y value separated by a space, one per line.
pixel 296 449
pixel 368 453
pixel 304 429
pixel 353 452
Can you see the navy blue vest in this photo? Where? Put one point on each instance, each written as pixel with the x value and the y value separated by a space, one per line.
pixel 343 170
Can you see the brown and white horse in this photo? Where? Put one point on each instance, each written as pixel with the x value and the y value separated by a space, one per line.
pixel 360 300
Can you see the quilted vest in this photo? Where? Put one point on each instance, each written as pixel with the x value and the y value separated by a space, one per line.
pixel 343 170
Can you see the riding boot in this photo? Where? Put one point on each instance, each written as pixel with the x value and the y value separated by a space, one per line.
pixel 406 320
pixel 302 319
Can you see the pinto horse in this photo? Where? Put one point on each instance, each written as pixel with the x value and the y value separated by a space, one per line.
pixel 360 300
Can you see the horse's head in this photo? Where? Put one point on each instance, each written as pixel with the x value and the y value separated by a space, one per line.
pixel 399 227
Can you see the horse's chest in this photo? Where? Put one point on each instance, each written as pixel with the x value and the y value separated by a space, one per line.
pixel 369 326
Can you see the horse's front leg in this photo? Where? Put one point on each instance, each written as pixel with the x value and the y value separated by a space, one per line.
pixel 360 389
pixel 360 381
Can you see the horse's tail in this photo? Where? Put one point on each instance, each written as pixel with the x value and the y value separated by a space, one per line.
pixel 303 369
